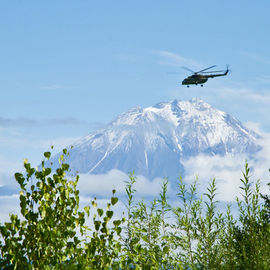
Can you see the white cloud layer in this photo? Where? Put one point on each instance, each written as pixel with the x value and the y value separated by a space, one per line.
pixel 103 184
pixel 228 170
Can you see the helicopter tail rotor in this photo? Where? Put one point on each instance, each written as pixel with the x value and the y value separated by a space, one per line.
pixel 228 71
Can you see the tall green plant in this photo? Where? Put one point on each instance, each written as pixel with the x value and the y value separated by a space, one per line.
pixel 184 232
pixel 227 243
pixel 252 234
pixel 210 229
pixel 148 244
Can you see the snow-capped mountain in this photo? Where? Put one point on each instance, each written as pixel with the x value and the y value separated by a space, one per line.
pixel 154 141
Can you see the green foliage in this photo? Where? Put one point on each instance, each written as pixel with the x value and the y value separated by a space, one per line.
pixel 252 236
pixel 146 242
pixel 53 233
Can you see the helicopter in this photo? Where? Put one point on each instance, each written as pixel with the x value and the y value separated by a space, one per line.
pixel 200 77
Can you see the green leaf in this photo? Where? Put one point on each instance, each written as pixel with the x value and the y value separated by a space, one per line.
pixel 116 223
pixel 94 204
pixel 87 210
pixel 166 249
pixel 114 200
pixel 47 155
pixel 20 179
pixel 47 171
pixel 109 214
pixel 118 230
pixel 65 166
pixel 100 211
pixel 97 225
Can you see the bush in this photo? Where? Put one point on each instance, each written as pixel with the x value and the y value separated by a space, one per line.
pixel 52 232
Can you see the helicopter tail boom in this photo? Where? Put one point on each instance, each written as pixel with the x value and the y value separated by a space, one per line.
pixel 218 75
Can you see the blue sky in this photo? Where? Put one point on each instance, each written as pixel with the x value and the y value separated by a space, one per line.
pixel 68 67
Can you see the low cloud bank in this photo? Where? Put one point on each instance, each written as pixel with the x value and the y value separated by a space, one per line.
pixel 103 184
pixel 228 170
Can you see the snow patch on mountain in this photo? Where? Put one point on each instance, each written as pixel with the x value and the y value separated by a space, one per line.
pixel 154 141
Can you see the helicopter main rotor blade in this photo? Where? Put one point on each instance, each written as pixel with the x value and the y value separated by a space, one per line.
pixel 190 70
pixel 213 71
pixel 205 69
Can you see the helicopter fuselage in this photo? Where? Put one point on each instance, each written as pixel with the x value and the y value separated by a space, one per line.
pixel 195 79
pixel 201 78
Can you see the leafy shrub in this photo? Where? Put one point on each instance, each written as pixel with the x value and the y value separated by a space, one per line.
pixel 51 232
